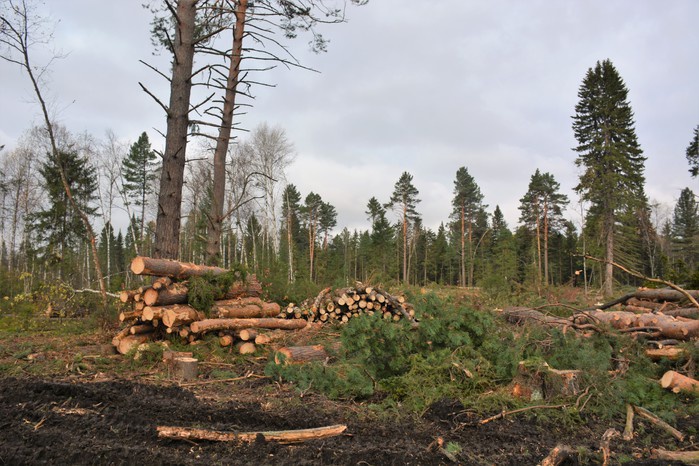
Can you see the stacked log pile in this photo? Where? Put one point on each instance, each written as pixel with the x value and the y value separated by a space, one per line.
pixel 343 304
pixel 162 308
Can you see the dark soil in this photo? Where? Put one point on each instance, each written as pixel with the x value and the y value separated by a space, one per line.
pixel 114 422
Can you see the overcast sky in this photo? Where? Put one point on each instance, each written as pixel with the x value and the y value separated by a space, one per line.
pixel 409 86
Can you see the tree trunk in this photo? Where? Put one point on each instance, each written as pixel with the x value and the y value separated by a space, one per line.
pixel 283 436
pixel 167 230
pixel 171 268
pixel 209 325
pixel 608 285
pixel 224 136
pixel 300 354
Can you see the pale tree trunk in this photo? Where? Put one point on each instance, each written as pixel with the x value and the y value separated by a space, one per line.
pixel 538 244
pixel 608 285
pixel 463 246
pixel 167 231
pixel 546 244
pixel 405 245
pixel 224 136
pixel 470 249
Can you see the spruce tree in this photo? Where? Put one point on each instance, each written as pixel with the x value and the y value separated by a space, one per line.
pixel 58 226
pixel 609 154
pixel 291 207
pixel 542 212
pixel 404 200
pixel 685 228
pixel 693 153
pixel 140 170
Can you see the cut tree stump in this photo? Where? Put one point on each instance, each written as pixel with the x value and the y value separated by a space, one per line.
pixel 282 436
pixel 677 383
pixel 185 368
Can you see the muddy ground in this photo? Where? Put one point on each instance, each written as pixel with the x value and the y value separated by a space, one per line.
pixel 104 420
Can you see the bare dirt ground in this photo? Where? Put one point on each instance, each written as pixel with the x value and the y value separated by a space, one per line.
pixel 100 410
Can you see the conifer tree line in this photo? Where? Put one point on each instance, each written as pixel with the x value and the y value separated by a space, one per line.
pixel 288 236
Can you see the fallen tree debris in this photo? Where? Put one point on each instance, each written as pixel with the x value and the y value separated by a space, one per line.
pixel 687 457
pixel 656 421
pixel 677 383
pixel 281 436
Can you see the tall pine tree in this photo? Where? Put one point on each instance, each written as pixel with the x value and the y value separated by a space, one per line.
pixel 467 203
pixel 685 228
pixel 542 212
pixel 609 154
pixel 404 200
pixel 693 153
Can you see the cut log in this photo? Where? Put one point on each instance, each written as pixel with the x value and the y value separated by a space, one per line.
pixel 185 369
pixel 679 383
pixel 652 305
pixel 235 309
pixel 161 282
pixel 152 313
pixel 139 329
pixel 179 314
pixel 689 312
pixel 141 265
pixel 300 354
pixel 672 353
pixel 247 347
pixel 226 340
pixel 686 457
pixel 209 325
pixel 628 428
pixel 247 334
pixel 129 315
pixel 127 295
pixel 559 455
pixel 664 294
pixel 269 337
pixel 121 334
pixel 132 341
pixel 282 436
pixel 173 294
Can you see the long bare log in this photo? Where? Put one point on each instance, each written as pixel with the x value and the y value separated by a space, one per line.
pixel 281 436
pixel 655 420
pixel 300 354
pixel 141 265
pixel 209 325
pixel 234 308
pixel 686 457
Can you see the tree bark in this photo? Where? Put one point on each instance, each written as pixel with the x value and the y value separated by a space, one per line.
pixel 167 230
pixel 687 457
pixel 141 265
pixel 209 325
pixel 224 136
pixel 300 354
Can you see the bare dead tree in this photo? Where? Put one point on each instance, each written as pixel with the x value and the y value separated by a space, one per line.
pixel 22 29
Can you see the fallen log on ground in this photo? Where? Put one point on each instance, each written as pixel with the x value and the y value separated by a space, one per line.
pixel 687 457
pixel 677 383
pixel 300 354
pixel 208 325
pixel 127 343
pixel 655 420
pixel 558 455
pixel 281 436
pixel 672 353
pixel 178 293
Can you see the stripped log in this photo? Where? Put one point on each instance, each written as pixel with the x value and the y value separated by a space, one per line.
pixel 152 313
pixel 141 265
pixel 686 457
pixel 677 383
pixel 269 337
pixel 247 334
pixel 208 325
pixel 282 436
